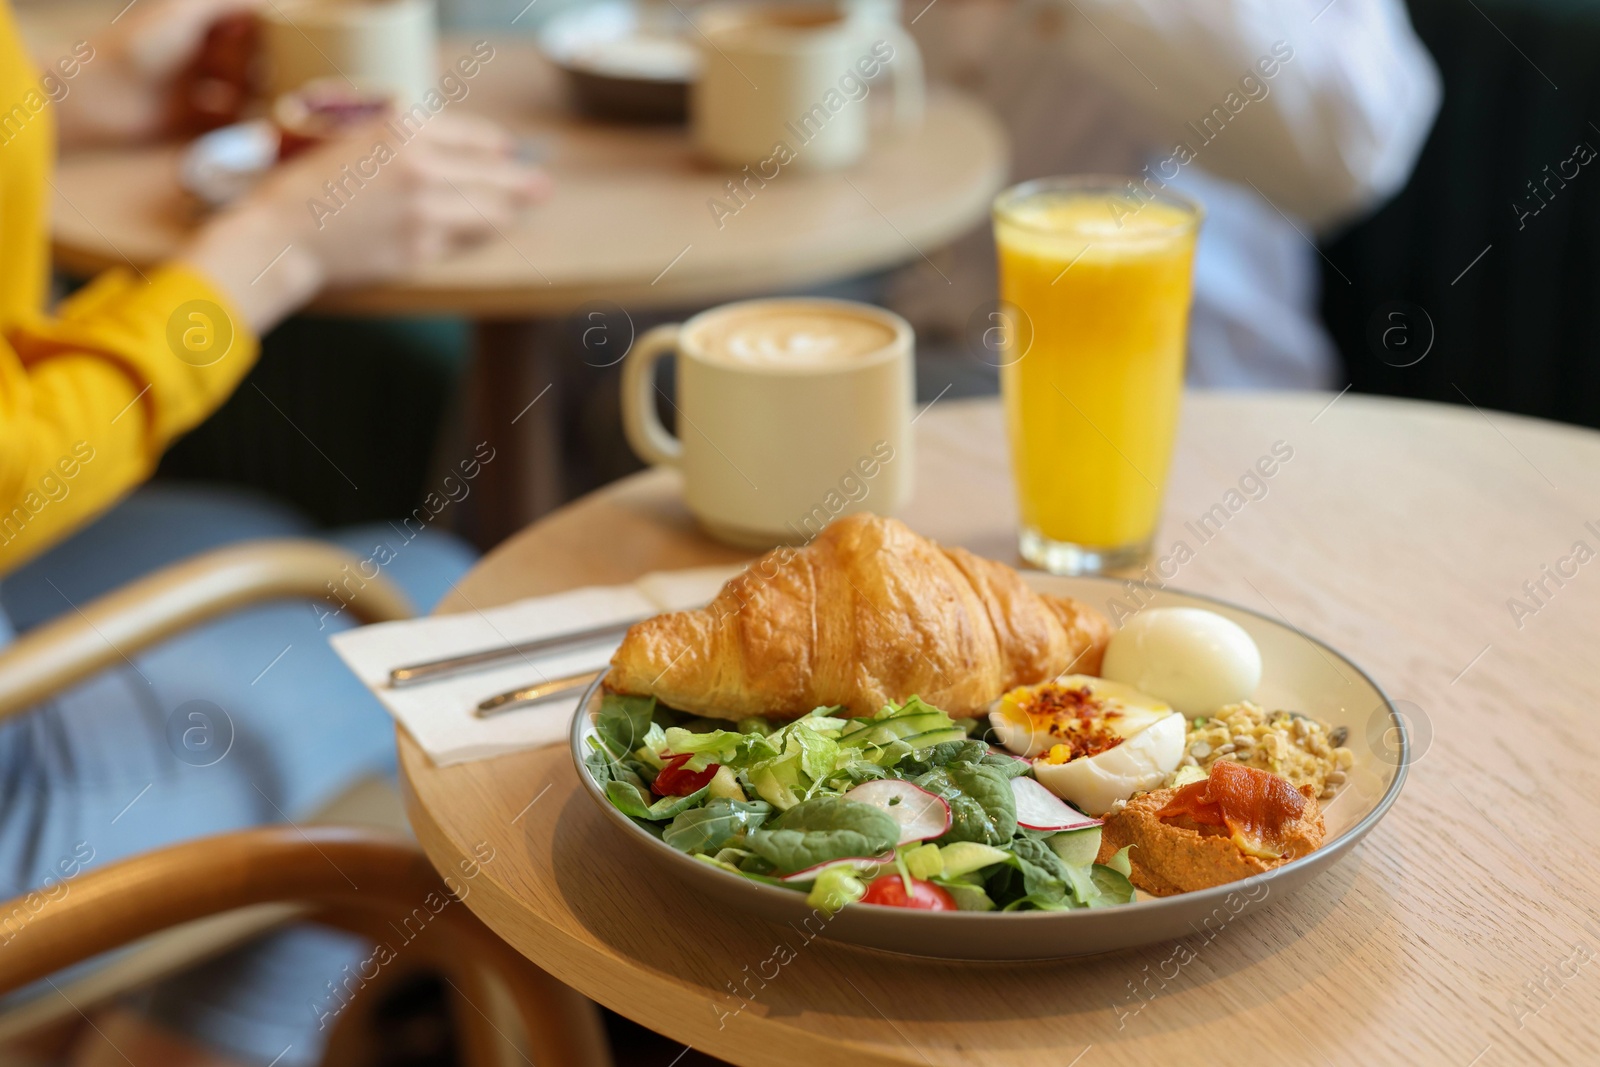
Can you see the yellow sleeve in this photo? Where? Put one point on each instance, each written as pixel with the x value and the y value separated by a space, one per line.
pixel 91 398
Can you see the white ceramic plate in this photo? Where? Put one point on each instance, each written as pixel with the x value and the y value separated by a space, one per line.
pixel 1299 673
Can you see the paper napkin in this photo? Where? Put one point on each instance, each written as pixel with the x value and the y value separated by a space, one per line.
pixel 439 714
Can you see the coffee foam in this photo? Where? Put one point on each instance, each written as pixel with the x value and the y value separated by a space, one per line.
pixel 773 336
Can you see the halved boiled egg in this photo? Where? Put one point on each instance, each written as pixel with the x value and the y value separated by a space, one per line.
pixel 1196 660
pixel 1095 741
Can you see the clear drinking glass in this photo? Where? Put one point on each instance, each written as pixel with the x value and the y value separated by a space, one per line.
pixel 1095 277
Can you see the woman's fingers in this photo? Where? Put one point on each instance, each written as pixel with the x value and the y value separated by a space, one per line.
pixel 515 180
pixel 457 131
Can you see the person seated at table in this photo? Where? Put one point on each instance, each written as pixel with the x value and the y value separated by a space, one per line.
pixel 1284 120
pixel 90 395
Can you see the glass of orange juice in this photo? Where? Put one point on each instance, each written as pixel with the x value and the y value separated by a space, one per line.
pixel 1095 279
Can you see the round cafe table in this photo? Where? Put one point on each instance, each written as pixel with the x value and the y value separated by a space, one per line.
pixel 629 228
pixel 1458 932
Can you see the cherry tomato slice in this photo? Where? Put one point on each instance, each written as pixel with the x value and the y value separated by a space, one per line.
pixel 675 781
pixel 890 890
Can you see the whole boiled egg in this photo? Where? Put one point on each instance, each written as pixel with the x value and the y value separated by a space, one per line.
pixel 1195 660
pixel 1094 742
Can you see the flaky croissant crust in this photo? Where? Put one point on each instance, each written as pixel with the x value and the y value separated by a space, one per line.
pixel 866 614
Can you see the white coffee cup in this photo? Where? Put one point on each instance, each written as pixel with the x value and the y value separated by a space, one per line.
pixel 379 45
pixel 790 413
pixel 785 85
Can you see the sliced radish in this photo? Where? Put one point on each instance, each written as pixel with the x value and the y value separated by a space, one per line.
pixel 921 814
pixel 1040 809
pixel 810 874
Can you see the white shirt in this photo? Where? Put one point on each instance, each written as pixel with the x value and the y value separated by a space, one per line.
pixel 1115 86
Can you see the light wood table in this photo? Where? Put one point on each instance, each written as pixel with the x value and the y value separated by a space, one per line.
pixel 1397 532
pixel 629 229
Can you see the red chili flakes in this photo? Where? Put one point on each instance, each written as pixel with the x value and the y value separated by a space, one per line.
pixel 1074 718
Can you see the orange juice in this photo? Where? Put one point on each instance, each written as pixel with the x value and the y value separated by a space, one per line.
pixel 1099 281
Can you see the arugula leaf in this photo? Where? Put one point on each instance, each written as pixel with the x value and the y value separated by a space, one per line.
pixel 631 800
pixel 604 767
pixel 824 828
pixel 715 826
pixel 854 773
pixel 597 762
pixel 624 722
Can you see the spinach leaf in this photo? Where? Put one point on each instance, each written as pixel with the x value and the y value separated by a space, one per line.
pixel 982 806
pixel 824 828
pixel 944 754
pixel 753 864
pixel 632 801
pixel 722 822
pixel 1044 876
pixel 623 722
pixel 1006 765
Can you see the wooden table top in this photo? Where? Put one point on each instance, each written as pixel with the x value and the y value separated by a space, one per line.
pixel 629 220
pixel 1457 933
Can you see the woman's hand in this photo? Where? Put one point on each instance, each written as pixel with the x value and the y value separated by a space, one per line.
pixel 124 95
pixel 362 209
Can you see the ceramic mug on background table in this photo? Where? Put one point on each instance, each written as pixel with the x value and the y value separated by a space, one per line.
pixel 785 85
pixel 790 413
pixel 379 45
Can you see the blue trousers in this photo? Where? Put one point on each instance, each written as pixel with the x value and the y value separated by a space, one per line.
pixel 247 721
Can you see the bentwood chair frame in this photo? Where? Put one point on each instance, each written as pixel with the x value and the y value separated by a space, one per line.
pixel 179 905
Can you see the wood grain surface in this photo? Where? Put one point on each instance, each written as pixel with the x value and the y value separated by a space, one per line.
pixel 1460 932
pixel 629 221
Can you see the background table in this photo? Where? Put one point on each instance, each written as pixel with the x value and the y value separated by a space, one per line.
pixel 627 230
pixel 1397 532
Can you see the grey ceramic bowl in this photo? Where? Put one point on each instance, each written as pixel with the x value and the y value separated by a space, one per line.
pixel 1299 673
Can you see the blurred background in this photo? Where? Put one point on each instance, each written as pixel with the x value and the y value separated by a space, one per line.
pixel 1455 265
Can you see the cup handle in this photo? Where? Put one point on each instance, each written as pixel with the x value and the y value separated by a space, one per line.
pixel 905 73
pixel 641 425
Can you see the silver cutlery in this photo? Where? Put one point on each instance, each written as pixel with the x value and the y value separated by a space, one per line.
pixel 417 673
pixel 527 696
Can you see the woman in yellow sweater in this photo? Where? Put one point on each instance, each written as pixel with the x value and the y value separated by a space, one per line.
pixel 91 393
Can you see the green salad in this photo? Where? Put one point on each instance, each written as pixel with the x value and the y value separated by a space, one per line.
pixel 903 809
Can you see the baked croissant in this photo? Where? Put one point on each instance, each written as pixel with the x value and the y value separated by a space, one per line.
pixel 866 614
